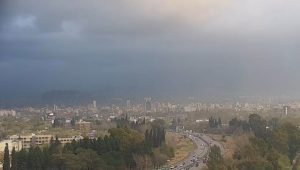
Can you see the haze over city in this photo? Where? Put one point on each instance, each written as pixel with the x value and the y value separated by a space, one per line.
pixel 149 85
pixel 134 48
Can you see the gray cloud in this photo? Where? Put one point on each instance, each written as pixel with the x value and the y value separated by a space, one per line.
pixel 151 47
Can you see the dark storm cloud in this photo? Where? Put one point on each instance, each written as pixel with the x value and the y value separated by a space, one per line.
pixel 150 47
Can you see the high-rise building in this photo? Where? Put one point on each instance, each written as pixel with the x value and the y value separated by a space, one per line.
pixel 55 107
pixel 148 104
pixel 94 104
pixel 286 108
pixel 128 104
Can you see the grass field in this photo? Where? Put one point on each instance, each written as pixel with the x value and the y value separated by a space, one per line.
pixel 284 162
pixel 183 147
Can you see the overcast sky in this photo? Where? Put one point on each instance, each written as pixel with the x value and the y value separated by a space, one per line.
pixel 151 47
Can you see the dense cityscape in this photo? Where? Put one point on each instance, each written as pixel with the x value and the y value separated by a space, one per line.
pixel 43 126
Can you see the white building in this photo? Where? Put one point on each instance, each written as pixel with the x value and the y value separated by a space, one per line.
pixel 40 140
pixel 7 113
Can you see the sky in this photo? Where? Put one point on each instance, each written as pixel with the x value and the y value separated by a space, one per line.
pixel 163 48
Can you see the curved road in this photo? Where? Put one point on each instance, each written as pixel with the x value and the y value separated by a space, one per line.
pixel 195 160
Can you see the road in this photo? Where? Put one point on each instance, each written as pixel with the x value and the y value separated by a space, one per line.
pixel 195 160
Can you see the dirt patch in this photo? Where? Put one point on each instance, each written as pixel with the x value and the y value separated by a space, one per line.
pixel 231 143
pixel 182 145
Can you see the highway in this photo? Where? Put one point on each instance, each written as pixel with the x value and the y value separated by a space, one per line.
pixel 195 160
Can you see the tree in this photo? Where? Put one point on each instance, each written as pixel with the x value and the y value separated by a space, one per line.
pixel 88 160
pixel 273 157
pixel 257 125
pixel 214 122
pixel 279 140
pixel 156 136
pixel 293 140
pixel 219 122
pixel 174 124
pixel 144 121
pixel 124 148
pixel 158 158
pixel 158 123
pixel 234 122
pixel 37 156
pixel 273 123
pixel 21 158
pixel 142 161
pixel 6 161
pixel 47 158
pixel 54 146
pixel 13 159
pixel 215 161
pixel 57 142
pixel 73 121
